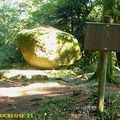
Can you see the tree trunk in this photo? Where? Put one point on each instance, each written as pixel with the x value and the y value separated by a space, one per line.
pixel 109 74
pixel 110 77
pixel 118 58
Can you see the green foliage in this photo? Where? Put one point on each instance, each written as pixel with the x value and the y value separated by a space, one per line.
pixel 9 26
pixel 71 17
pixel 77 70
pixel 39 13
pixel 94 16
pixel 113 107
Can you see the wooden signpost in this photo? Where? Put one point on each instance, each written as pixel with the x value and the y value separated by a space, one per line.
pixel 103 37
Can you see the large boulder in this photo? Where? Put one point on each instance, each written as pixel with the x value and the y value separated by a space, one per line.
pixel 47 48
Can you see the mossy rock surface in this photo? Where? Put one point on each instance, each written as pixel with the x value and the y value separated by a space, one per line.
pixel 47 48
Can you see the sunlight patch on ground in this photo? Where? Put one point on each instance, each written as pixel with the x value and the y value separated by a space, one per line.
pixel 29 73
pixel 32 89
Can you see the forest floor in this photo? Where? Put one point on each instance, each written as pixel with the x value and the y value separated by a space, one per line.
pixel 54 95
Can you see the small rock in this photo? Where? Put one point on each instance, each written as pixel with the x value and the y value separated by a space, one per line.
pixel 72 80
pixel 69 79
pixel 39 77
pixel 89 108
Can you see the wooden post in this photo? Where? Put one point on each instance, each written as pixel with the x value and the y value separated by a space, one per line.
pixel 103 59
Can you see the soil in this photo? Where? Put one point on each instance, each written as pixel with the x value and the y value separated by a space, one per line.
pixel 21 98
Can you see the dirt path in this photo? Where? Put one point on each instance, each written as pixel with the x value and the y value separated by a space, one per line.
pixel 16 98
pixel 20 89
pixel 23 95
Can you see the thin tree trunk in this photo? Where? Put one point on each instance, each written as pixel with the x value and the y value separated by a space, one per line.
pixel 109 76
pixel 118 58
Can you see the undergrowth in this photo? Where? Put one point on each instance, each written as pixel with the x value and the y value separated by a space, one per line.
pixel 60 108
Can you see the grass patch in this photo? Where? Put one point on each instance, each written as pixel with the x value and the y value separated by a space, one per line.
pixel 112 106
pixel 53 108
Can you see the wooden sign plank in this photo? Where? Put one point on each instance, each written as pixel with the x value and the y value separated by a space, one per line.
pixel 102 37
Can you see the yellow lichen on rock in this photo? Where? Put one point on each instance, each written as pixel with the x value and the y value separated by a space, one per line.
pixel 47 48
